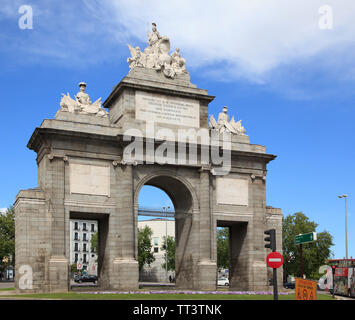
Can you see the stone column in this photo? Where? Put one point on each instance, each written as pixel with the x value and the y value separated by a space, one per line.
pixel 55 189
pixel 123 233
pixel 258 203
pixel 206 267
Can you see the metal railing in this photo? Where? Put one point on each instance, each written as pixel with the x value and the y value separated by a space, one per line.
pixel 152 212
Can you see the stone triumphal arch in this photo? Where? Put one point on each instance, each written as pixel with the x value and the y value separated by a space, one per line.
pixel 92 164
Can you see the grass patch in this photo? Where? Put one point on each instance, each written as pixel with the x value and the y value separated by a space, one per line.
pixel 85 296
pixel 7 289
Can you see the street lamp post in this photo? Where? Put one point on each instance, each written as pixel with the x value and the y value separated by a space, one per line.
pixel 346 226
pixel 166 242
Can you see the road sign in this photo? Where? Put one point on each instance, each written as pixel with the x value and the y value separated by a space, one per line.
pixel 79 266
pixel 274 260
pixel 304 238
pixel 305 289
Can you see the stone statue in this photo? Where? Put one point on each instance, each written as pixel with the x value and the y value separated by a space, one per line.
pixel 156 56
pixel 82 103
pixel 224 125
pixel 178 63
pixel 136 60
pixel 82 97
pixel 154 36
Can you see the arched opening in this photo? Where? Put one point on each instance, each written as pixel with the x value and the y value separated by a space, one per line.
pixel 156 225
pixel 173 202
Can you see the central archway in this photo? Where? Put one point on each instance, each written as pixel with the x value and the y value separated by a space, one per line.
pixel 185 202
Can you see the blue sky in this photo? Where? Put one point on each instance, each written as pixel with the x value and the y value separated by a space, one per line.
pixel 291 82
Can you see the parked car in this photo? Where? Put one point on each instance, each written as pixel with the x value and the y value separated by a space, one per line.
pixel 222 282
pixel 85 278
pixel 289 285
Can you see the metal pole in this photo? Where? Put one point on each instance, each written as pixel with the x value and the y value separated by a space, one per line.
pixel 301 262
pixel 333 276
pixel 276 297
pixel 346 231
pixel 166 247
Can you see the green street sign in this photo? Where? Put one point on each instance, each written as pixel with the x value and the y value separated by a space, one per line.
pixel 307 237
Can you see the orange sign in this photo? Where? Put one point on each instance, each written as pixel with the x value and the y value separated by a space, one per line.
pixel 305 289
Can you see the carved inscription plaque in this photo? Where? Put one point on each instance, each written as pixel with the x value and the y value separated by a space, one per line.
pixel 166 109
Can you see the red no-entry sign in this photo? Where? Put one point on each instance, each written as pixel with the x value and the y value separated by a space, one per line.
pixel 274 260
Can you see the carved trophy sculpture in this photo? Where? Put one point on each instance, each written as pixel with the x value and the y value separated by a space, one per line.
pixel 156 56
pixel 82 103
pixel 224 125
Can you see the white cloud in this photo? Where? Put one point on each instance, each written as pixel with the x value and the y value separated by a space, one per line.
pixel 2 210
pixel 230 38
pixel 250 37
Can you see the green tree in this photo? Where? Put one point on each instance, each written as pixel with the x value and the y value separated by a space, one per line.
pixel 94 242
pixel 145 254
pixel 73 268
pixel 171 253
pixel 7 237
pixel 223 248
pixel 315 254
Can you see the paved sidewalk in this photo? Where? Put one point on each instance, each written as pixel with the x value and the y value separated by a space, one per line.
pixel 5 284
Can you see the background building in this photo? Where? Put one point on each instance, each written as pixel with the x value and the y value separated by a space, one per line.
pixel 81 232
pixel 160 227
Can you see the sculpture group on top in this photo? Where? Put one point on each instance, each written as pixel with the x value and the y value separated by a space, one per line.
pixel 224 125
pixel 156 56
pixel 82 103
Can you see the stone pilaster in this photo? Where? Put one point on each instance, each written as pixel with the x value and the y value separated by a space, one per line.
pixel 122 233
pixel 55 188
pixel 207 269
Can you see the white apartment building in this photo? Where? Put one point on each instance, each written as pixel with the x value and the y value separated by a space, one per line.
pixel 160 227
pixel 81 232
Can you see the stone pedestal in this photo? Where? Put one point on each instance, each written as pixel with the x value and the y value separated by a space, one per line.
pixel 125 274
pixel 58 274
pixel 207 271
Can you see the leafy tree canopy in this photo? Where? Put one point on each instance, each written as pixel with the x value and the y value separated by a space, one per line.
pixel 315 254
pixel 7 237
pixel 223 248
pixel 145 254
pixel 171 252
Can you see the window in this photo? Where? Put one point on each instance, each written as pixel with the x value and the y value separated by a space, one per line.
pixel 84 236
pixel 84 258
pixel 92 227
pixel 84 226
pixel 156 241
pixel 75 226
pixel 76 258
pixel 76 247
pixel 76 236
pixel 156 249
pixel 84 247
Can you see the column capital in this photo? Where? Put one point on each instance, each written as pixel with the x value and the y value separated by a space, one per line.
pixel 51 156
pixel 205 168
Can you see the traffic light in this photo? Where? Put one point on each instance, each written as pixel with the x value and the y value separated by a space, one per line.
pixel 333 270
pixel 271 240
